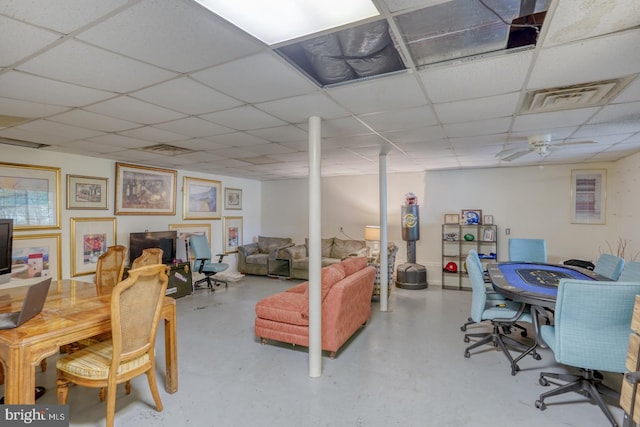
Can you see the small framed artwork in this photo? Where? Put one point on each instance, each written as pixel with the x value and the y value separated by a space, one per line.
pixel 36 255
pixel 487 220
pixel 90 238
pixel 233 198
pixel 451 219
pixel 30 196
pixel 232 226
pixel 588 196
pixel 142 190
pixel 201 198
pixel 184 231
pixel 471 216
pixel 87 192
pixel 488 235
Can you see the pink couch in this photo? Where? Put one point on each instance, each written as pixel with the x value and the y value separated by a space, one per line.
pixel 346 306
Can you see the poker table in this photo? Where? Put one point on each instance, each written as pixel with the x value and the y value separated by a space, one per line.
pixel 534 283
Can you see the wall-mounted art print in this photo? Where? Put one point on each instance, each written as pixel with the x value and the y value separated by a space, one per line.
pixel 233 198
pixel 30 196
pixel 36 255
pixel 184 231
pixel 87 192
pixel 588 196
pixel 201 198
pixel 142 190
pixel 232 233
pixel 471 216
pixel 90 238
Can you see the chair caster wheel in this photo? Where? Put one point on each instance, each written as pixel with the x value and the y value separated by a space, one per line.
pixel 515 370
pixel 540 405
pixel 543 382
pixel 466 339
pixel 463 328
pixel 537 356
pixel 467 354
pixel 523 334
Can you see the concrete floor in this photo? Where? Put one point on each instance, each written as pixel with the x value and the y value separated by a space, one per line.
pixel 405 368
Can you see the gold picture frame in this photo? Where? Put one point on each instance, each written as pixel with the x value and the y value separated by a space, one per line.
pixel 201 198
pixel 143 190
pixel 90 238
pixel 232 198
pixel 31 196
pixel 184 231
pixel 232 226
pixel 87 192
pixel 36 255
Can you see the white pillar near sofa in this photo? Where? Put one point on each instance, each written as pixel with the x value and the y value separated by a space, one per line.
pixel 315 248
pixel 384 253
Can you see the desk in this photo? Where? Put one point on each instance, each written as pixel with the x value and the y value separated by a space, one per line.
pixel 535 284
pixel 74 310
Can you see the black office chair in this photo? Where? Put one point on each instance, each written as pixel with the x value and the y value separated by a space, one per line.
pixel 203 265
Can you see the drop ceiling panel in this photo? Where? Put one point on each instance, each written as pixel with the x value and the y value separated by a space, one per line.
pixel 298 109
pixel 281 134
pixel 494 75
pixel 152 133
pixel 119 141
pixel 194 127
pixel 186 96
pixel 630 93
pixel 608 57
pixel 618 113
pixel 401 119
pixel 481 127
pixel 243 118
pixel 478 109
pixel 89 120
pixel 59 129
pixel 125 107
pixel 198 144
pixel 237 139
pixel 256 78
pixel 339 127
pixel 542 121
pixel 28 109
pixel 33 136
pixel 383 94
pixel 20 40
pixel 419 134
pixel 37 89
pixel 166 33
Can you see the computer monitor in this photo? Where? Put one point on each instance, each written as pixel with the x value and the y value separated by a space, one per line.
pixel 6 248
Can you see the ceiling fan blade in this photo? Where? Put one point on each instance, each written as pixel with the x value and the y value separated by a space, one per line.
pixel 559 144
pixel 515 155
pixel 510 151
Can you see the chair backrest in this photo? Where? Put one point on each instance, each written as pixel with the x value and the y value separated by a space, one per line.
pixel 527 250
pixel 150 256
pixel 110 266
pixel 593 322
pixel 631 272
pixel 136 303
pixel 609 266
pixel 475 258
pixel 201 250
pixel 478 288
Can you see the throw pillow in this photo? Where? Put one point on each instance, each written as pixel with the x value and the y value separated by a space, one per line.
pixel 344 248
pixel 351 265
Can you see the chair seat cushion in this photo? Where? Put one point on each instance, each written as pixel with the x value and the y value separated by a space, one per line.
pixel 95 361
pixel 260 259
pixel 216 267
pixel 284 307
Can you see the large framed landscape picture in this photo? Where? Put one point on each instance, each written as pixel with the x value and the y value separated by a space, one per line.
pixel 201 198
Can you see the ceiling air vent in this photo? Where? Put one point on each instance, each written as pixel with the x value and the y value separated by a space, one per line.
pixel 167 150
pixel 571 97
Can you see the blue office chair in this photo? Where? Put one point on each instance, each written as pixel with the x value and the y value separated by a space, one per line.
pixel 527 250
pixel 202 253
pixel 503 314
pixel 609 266
pixel 631 272
pixel 591 333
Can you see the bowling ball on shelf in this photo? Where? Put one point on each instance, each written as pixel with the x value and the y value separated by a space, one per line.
pixel 469 237
pixel 451 267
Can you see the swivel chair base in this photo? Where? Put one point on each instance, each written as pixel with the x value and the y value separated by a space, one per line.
pixel 210 281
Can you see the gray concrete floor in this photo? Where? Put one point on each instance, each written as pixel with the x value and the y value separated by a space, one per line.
pixel 405 368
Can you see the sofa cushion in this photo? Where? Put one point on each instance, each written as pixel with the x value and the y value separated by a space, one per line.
pixel 351 265
pixel 331 275
pixel 343 248
pixel 327 245
pixel 285 307
pixel 265 244
pixel 260 259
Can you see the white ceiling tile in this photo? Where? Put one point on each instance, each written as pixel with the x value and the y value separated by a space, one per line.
pixel 298 109
pixel 119 141
pixel 400 119
pixel 596 59
pixel 356 141
pixel 619 113
pixel 585 19
pixel 186 96
pixel 543 122
pixel 237 139
pixel 482 127
pixel 33 136
pixel 127 108
pixel 89 120
pixel 339 127
pixel 20 40
pixel 193 127
pixel 478 109
pixel 152 133
pixel 79 63
pixel 177 35
pixel 59 129
pixel 419 134
pixel 630 93
pixel 269 149
pixel 243 118
pixel 37 89
pixel 257 78
pixel 13 107
pixel 287 133
pixel 381 94
pixel 401 5
pixel 493 75
pixel 199 144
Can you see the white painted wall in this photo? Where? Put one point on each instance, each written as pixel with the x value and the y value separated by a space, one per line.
pixel 532 201
pixel 80 165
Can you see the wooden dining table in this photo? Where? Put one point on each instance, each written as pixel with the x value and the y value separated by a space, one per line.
pixel 74 310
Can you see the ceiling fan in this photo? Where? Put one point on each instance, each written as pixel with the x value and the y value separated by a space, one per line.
pixel 540 144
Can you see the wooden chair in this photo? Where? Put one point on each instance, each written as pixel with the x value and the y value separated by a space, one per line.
pixel 136 303
pixel 110 267
pixel 150 256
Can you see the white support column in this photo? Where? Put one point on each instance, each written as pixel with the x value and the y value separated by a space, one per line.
pixel 315 248
pixel 384 257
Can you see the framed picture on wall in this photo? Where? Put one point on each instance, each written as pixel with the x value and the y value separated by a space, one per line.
pixel 201 198
pixel 87 192
pixel 90 238
pixel 142 190
pixel 487 220
pixel 451 219
pixel 233 198
pixel 184 231
pixel 588 196
pixel 36 255
pixel 232 227
pixel 471 216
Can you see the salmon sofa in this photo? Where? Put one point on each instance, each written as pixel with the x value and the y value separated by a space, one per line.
pixel 346 306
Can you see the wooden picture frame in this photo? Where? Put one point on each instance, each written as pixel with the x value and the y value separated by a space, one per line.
pixel 487 220
pixel 90 238
pixel 232 198
pixel 186 230
pixel 36 255
pixel 588 196
pixel 87 192
pixel 488 235
pixel 451 219
pixel 471 216
pixel 232 226
pixel 30 196
pixel 201 198
pixel 142 190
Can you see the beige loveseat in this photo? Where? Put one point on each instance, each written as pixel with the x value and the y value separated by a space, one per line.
pixel 254 258
pixel 334 250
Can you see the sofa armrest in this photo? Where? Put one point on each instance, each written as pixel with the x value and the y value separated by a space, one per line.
pixel 279 252
pixel 248 249
pixel 296 252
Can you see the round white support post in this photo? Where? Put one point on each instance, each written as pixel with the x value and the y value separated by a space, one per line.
pixel 384 253
pixel 315 249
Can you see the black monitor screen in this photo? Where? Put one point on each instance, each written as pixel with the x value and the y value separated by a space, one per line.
pixel 6 245
pixel 165 240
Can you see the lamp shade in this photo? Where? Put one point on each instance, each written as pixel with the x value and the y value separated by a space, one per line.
pixel 372 233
